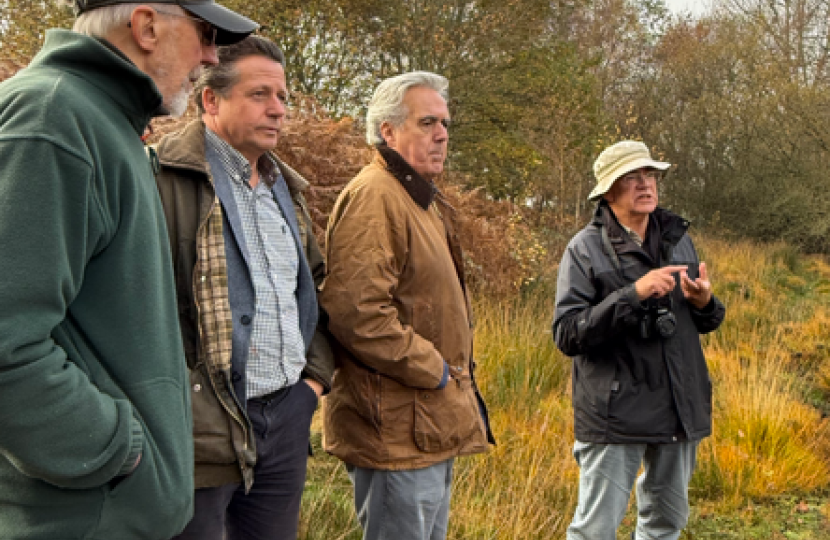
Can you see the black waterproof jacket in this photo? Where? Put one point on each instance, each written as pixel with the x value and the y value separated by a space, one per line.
pixel 630 384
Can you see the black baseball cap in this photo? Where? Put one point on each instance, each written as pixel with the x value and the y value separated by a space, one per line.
pixel 231 27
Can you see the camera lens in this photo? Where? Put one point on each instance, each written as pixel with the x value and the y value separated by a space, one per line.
pixel 666 323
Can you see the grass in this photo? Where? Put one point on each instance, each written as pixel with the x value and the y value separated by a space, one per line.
pixel 787 517
pixel 764 474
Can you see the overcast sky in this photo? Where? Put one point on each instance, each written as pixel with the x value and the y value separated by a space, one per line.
pixel 695 7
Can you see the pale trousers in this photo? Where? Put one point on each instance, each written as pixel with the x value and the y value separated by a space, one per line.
pixel 403 505
pixel 607 473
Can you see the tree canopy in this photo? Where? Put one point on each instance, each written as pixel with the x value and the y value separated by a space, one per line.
pixel 738 100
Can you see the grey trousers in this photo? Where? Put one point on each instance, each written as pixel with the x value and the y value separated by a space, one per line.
pixel 403 505
pixel 607 473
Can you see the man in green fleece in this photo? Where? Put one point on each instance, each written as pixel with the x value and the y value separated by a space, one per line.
pixel 94 405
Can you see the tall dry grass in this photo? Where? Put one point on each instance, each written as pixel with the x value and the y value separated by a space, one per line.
pixel 523 488
pixel 767 360
pixel 771 373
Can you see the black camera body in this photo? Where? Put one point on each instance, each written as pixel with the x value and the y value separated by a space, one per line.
pixel 659 319
pixel 666 322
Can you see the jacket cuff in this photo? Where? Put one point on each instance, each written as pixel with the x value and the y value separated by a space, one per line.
pixel 708 309
pixel 314 376
pixel 136 445
pixel 445 378
pixel 630 294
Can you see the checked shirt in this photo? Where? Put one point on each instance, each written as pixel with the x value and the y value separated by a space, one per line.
pixel 276 357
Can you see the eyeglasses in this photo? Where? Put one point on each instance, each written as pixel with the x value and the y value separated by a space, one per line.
pixel 208 30
pixel 637 177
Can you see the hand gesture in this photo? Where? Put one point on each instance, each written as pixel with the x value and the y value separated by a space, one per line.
pixel 657 283
pixel 697 292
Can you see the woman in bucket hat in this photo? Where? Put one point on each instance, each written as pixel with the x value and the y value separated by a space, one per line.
pixel 632 299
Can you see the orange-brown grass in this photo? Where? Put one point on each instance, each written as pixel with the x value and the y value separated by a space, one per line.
pixel 525 487
pixel 767 439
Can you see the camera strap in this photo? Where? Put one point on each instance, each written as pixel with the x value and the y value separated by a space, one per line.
pixel 609 249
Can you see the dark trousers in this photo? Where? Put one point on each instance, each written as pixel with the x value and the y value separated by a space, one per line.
pixel 271 510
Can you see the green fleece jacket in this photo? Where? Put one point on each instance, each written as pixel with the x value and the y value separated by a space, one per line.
pixel 92 370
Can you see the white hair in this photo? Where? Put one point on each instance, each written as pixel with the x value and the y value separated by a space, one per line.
pixel 387 102
pixel 99 22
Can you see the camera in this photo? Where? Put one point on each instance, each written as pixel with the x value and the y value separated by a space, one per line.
pixel 666 322
pixel 659 318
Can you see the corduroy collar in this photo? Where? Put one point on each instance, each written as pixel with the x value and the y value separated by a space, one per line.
pixel 422 191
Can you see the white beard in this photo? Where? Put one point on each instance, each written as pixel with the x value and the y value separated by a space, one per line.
pixel 178 103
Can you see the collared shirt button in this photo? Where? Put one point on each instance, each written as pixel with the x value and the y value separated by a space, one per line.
pixel 425 396
pixel 197 387
pixel 203 278
pixel 674 439
pixel 459 369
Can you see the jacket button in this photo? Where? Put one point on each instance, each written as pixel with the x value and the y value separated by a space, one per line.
pixel 245 319
pixel 235 377
pixel 425 396
pixel 197 387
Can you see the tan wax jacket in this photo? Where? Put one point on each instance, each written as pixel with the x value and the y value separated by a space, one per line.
pixel 398 305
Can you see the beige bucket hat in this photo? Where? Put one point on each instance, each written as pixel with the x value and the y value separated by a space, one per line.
pixel 619 159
